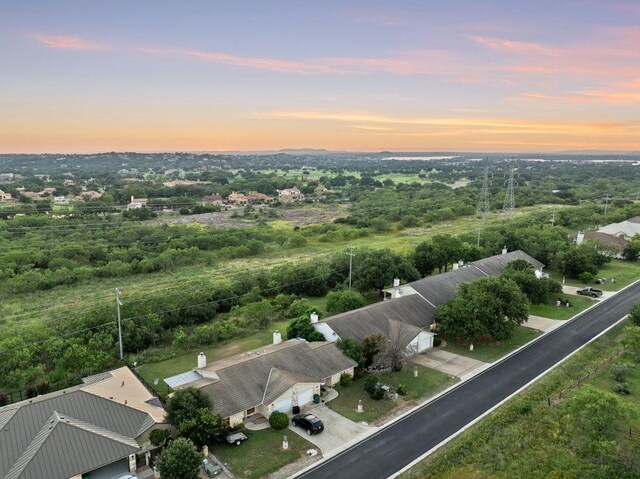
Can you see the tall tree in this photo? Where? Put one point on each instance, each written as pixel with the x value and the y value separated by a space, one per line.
pixel 341 301
pixel 488 307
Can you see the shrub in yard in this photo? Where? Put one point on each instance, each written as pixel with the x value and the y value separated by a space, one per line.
pixel 345 380
pixel 621 371
pixel 621 388
pixel 43 387
pixel 634 315
pixel 587 277
pixel 373 387
pixel 437 341
pixel 4 399
pixel 31 392
pixel 278 420
pixel 401 389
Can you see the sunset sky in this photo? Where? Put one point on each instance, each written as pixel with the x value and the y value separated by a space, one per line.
pixel 211 75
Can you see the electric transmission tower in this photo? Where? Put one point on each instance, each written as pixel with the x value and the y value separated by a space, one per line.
pixel 509 206
pixel 484 206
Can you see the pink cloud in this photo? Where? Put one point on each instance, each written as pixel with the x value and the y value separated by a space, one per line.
pixel 69 43
pixel 514 46
pixel 617 97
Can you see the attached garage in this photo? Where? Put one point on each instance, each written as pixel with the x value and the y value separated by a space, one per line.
pixel 305 397
pixel 284 405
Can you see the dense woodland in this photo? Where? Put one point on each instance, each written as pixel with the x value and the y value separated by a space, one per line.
pixel 47 249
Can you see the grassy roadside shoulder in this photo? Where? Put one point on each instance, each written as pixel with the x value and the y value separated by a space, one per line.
pixel 526 437
pixel 490 352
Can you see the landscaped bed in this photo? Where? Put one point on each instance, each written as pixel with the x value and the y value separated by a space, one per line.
pixel 490 352
pixel 262 453
pixel 428 383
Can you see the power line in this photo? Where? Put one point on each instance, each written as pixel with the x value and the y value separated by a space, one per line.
pixel 176 309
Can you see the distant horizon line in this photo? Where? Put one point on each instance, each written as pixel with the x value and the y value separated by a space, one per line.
pixel 324 150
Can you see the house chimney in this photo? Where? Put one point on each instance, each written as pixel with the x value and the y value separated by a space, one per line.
pixel 579 238
pixel 314 317
pixel 396 282
pixel 277 337
pixel 202 360
pixel 504 250
pixel 131 198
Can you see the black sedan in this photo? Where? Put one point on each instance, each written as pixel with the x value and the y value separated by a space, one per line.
pixel 309 423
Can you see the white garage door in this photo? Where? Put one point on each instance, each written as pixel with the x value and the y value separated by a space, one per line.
pixel 283 405
pixel 424 342
pixel 305 397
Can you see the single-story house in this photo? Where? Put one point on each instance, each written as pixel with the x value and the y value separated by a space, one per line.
pixel 99 430
pixel 407 314
pixel 277 377
pixel 625 229
pixel 618 242
pixel 406 319
pixel 440 288
pixel 215 199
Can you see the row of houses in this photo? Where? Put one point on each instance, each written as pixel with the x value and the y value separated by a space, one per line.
pixel 287 374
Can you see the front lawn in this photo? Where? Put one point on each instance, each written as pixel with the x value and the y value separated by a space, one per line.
pixel 490 352
pixel 428 383
pixel 622 272
pixel 262 453
pixel 550 310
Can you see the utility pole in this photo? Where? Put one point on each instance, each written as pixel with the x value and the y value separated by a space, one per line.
pixel 119 303
pixel 350 254
pixel 606 204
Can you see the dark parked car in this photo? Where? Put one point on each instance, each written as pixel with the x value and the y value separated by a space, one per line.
pixel 309 423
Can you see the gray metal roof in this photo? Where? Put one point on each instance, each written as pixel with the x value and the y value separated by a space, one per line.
pixel 242 385
pixel 92 447
pixel 24 421
pixel 411 310
pixel 440 288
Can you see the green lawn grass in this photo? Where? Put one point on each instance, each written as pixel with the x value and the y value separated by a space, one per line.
pixel 622 272
pixel 492 352
pixel 550 310
pixel 428 383
pixel 187 360
pixel 262 453
pixel 525 438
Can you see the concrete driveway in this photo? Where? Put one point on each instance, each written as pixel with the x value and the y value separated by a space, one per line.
pixel 573 290
pixel 449 363
pixel 542 324
pixel 338 430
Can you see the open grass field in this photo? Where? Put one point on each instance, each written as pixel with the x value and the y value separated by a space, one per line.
pixel 622 272
pixel 67 301
pixel 428 383
pixel 526 438
pixel 261 454
pixel 492 352
pixel 577 304
pixel 187 360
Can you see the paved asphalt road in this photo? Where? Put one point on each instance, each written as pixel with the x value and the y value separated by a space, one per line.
pixel 383 454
